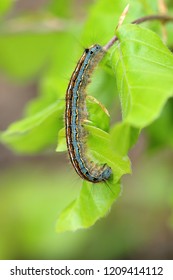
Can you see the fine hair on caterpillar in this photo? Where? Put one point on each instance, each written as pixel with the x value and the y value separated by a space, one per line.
pixel 75 115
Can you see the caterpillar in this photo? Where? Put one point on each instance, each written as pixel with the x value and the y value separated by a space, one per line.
pixel 76 113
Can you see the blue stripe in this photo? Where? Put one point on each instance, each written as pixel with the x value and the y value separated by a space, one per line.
pixel 75 127
pixel 74 113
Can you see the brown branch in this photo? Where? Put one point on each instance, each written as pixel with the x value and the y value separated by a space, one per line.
pixel 163 18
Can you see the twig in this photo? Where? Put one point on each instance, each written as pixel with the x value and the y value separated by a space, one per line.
pixel 122 17
pixel 163 10
pixel 162 18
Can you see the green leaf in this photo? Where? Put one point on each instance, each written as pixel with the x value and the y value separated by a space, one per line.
pixel 97 117
pixel 53 83
pixel 100 150
pixel 160 133
pixel 34 52
pixel 99 30
pixel 95 200
pixel 46 109
pixel 62 146
pixel 144 71
pixel 103 85
pixel 93 203
pixel 123 137
pixel 35 133
pixel 99 143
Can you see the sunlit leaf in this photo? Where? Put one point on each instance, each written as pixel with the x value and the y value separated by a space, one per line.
pixel 160 132
pixel 97 117
pixel 34 52
pixel 94 201
pixel 99 143
pixel 144 71
pixel 123 137
pixel 62 146
pixel 35 133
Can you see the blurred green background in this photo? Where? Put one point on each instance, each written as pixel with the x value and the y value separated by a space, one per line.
pixel 34 189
